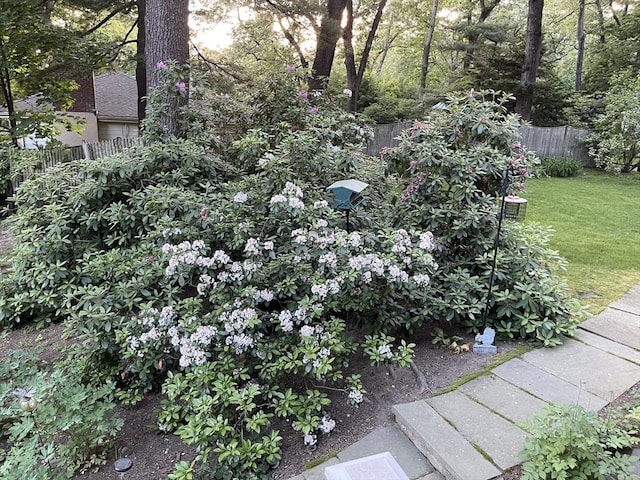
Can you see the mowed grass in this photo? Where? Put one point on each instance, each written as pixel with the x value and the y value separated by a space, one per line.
pixel 596 218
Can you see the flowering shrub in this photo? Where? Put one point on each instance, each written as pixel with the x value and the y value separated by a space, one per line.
pixel 531 301
pixel 251 318
pixel 454 166
pixel 214 268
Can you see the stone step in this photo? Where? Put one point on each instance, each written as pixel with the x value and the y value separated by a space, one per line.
pixel 448 450
pixel 617 325
pixel 498 438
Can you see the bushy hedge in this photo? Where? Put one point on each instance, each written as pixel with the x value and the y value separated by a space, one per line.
pixel 215 268
pixel 454 166
pixel 560 167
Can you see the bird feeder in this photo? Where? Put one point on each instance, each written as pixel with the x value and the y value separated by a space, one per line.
pixel 347 193
pixel 515 207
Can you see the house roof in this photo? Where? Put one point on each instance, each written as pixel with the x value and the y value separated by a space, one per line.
pixel 116 97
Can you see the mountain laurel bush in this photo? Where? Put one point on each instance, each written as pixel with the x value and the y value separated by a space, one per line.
pixel 215 269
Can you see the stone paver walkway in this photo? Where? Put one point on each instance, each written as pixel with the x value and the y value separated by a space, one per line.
pixel 475 432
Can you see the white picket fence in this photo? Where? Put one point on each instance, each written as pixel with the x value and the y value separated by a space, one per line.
pixel 88 151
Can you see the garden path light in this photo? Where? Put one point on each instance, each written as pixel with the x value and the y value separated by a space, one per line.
pixel 122 465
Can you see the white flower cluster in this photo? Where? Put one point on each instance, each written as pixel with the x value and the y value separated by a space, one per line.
pixel 169 232
pixel 402 241
pixel 307 331
pixel 355 240
pixel 329 259
pixel 324 238
pixel 253 247
pixel 426 241
pixel 385 351
pixel 235 324
pixel 290 196
pixel 285 319
pixel 368 263
pixel 310 440
pixel 234 272
pixel 421 279
pixel 185 253
pixel 355 397
pixel 162 325
pixel 327 424
pixel 331 286
pixel 264 295
pixel 240 197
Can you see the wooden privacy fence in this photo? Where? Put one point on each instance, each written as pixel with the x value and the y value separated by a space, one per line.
pixel 386 136
pixel 89 151
pixel 567 142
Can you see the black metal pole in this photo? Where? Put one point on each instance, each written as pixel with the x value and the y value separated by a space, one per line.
pixel 503 193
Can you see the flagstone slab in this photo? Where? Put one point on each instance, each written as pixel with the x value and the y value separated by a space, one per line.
pixel 545 385
pixel 616 325
pixel 630 302
pixel 622 351
pixel 503 398
pixel 587 367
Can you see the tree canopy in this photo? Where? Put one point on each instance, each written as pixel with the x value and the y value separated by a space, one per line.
pixel 397 58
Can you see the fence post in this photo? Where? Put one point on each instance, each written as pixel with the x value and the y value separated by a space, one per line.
pixel 86 150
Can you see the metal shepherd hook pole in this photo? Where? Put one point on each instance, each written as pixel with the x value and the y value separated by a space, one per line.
pixel 503 193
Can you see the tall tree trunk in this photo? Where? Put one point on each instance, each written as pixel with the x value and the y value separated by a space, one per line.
pixel 330 33
pixel 581 38
pixel 293 42
pixel 386 46
pixel 614 15
pixel 141 67
pixel 350 58
pixel 354 78
pixel 472 38
pixel 532 53
pixel 166 24
pixel 426 50
pixel 7 94
pixel 603 38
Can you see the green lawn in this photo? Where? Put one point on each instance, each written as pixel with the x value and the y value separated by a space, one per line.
pixel 596 218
